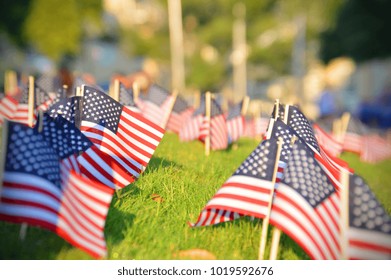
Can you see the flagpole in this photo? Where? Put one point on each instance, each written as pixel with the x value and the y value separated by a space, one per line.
pixel 4 143
pixel 30 120
pixel 115 91
pixel 344 214
pixel 79 111
pixel 207 117
pixel 265 222
pixel 246 101
pixel 277 105
pixel 168 113
pixel 196 102
pixel 344 125
pixel 136 91
pixel 64 91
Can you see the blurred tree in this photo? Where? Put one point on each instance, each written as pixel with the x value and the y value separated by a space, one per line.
pixel 56 28
pixel 13 14
pixel 361 31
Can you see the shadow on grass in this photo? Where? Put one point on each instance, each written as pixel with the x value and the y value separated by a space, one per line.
pixel 39 244
pixel 117 223
pixel 157 163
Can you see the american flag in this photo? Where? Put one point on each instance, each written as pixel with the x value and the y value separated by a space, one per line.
pixel 247 191
pixel 125 136
pixel 255 127
pixel 38 192
pixel 375 148
pixel 303 128
pixel 190 130
pixel 369 230
pixel 42 101
pixel 8 106
pixel 215 128
pixel 157 105
pixel 235 122
pixel 126 98
pixel 306 206
pixel 327 141
pixel 181 112
pixel 49 83
pixel 353 140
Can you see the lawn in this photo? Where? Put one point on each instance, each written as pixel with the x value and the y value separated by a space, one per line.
pixel 150 219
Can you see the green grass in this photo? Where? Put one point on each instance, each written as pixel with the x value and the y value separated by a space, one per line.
pixel 138 227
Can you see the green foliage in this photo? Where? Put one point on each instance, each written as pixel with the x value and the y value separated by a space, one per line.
pixel 13 14
pixel 138 227
pixel 361 31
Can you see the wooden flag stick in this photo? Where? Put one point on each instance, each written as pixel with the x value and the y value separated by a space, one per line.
pixel 277 104
pixel 31 102
pixel 115 91
pixel 13 82
pixel 265 222
pixel 64 91
pixel 246 101
pixel 136 91
pixel 168 113
pixel 344 214
pixel 344 124
pixel 79 109
pixel 196 102
pixel 207 116
pixel 276 231
pixel 4 144
pixel 275 243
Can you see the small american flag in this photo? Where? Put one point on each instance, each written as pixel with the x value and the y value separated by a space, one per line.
pixel 235 122
pixel 157 105
pixel 369 224
pixel 327 141
pixel 216 127
pixel 42 101
pixel 191 128
pixel 353 140
pixel 375 148
pixel 247 191
pixel 126 98
pixel 125 136
pixel 37 191
pixel 306 206
pixel 93 162
pixel 8 107
pixel 181 112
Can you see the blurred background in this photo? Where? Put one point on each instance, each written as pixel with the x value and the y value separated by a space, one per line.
pixel 328 56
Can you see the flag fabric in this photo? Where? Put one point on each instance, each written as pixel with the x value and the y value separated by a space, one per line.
pixel 215 128
pixel 126 98
pixel 255 127
pixel 42 101
pixel 247 191
pixel 48 83
pixel 181 112
pixel 353 139
pixel 375 148
pixel 328 163
pixel 37 191
pixel 190 130
pixel 8 106
pixel 127 137
pixel 327 141
pixel 369 232
pixel 306 206
pixel 157 105
pixel 235 122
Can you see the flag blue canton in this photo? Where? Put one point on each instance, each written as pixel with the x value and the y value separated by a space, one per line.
pixel 63 136
pixel 281 111
pixel 98 106
pixel 157 95
pixel 126 97
pixel 235 111
pixel 302 126
pixel 304 175
pixel 260 163
pixel 281 130
pixel 365 211
pixel 28 152
pixel 66 108
pixel 180 105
